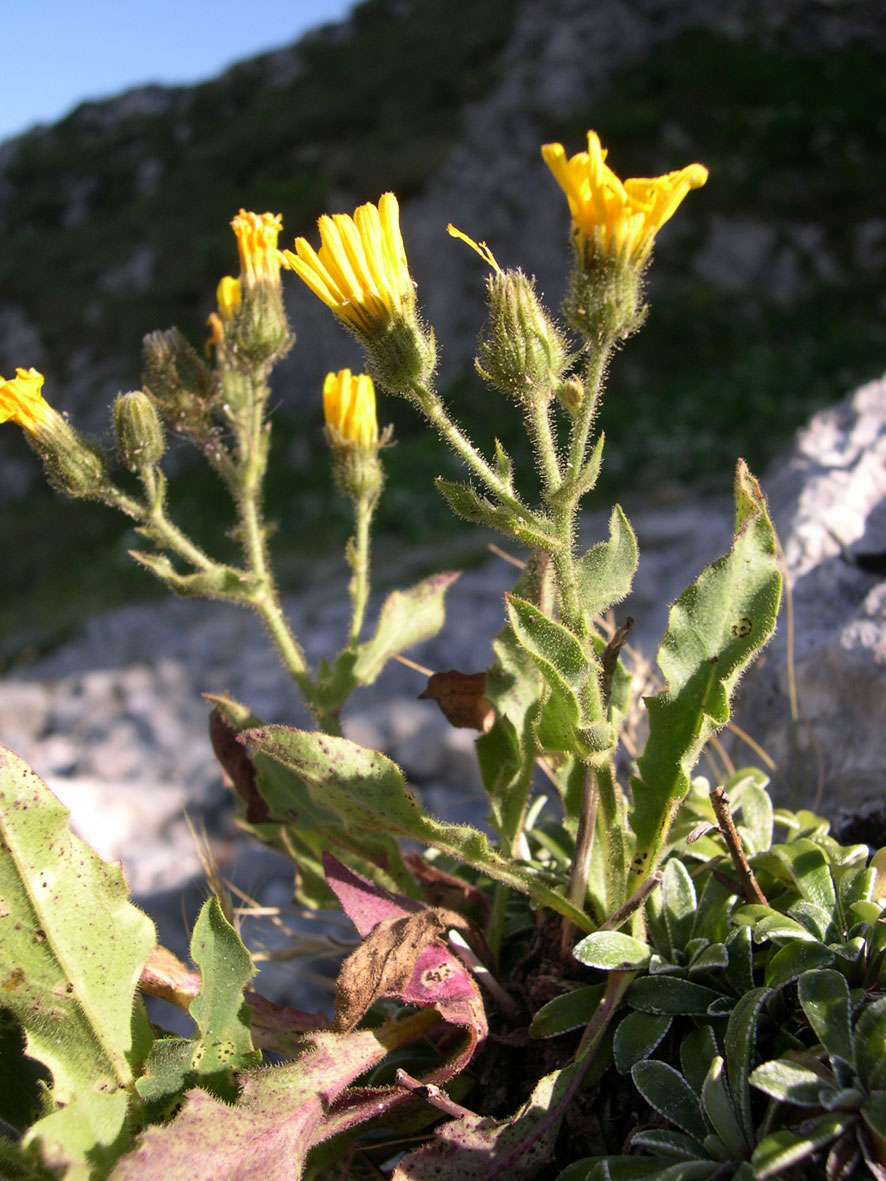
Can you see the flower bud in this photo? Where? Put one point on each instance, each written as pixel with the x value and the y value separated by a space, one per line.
pixel 352 432
pixel 570 394
pixel 139 431
pixel 180 383
pixel 521 352
pixel 255 308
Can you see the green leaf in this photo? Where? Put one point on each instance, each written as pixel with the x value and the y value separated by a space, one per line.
pixel 820 923
pixel 789 1082
pixel 670 994
pixel 612 951
pixel 873 1112
pixel 791 961
pixel 720 1109
pixel 808 866
pixel 636 1037
pixel 222 1015
pixel 606 571
pixel 780 1151
pixel 407 618
pixel 667 1091
pixel 715 629
pixel 573 1010
pixel 369 795
pixel 669 1144
pixel 86 1137
pixel 751 802
pixel 740 1042
pixel 561 659
pixel 679 903
pixel 870 1045
pixel 533 531
pixel 824 995
pixel 698 1049
pixel 72 946
pixel 221 582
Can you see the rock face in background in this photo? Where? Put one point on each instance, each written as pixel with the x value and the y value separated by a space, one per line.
pixel 118 215
pixel 828 501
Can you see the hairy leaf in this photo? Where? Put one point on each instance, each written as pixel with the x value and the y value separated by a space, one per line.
pixel 715 629
pixel 606 571
pixel 369 795
pixel 476 1148
pixel 667 1091
pixel 72 948
pixel 612 951
pixel 407 617
pixel 573 1010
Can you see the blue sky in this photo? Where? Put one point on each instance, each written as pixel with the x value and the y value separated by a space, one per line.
pixel 57 53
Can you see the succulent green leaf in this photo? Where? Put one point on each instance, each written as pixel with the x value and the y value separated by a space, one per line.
pixel 718 1104
pixel 668 1092
pixel 612 951
pixel 791 961
pixel 873 1112
pixel 740 969
pixel 636 1037
pixel 698 1049
pixel 789 1082
pixel 752 803
pixel 666 1143
pixel 820 923
pixel 573 1010
pixel 715 629
pixel 824 995
pixel 739 1043
pixel 870 1045
pixel 72 947
pixel 670 994
pixel 369 795
pixel 780 1151
pixel 680 903
pixel 808 866
pixel 606 571
pixel 407 617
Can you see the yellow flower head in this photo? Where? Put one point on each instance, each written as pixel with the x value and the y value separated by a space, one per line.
pixel 349 407
pixel 257 241
pixel 360 270
pixel 618 218
pixel 21 400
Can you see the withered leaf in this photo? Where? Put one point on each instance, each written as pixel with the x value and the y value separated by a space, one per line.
pixel 164 975
pixel 445 889
pixel 238 766
pixel 461 699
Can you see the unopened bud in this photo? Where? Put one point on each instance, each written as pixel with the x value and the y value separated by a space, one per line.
pixel 521 351
pixel 180 383
pixel 139 431
pixel 570 394
pixel 73 466
pixel 256 309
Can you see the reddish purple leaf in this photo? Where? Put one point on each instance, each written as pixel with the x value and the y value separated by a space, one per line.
pixel 365 903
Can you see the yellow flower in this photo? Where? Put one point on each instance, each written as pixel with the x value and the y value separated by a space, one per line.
pixel 619 219
pixel 21 401
pixel 349 407
pixel 257 241
pixel 229 297
pixel 360 270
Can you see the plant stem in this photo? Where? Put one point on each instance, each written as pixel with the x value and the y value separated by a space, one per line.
pixel 581 862
pixel 433 410
pixel 364 508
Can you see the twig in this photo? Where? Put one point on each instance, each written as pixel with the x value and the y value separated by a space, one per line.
pixel 635 901
pixel 749 885
pixel 434 1095
pixel 465 953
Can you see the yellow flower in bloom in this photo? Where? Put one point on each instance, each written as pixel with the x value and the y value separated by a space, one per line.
pixel 349 407
pixel 360 270
pixel 21 400
pixel 621 219
pixel 257 241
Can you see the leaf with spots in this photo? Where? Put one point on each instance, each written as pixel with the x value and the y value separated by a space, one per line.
pixel 72 948
pixel 405 954
pixel 223 1043
pixel 715 630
